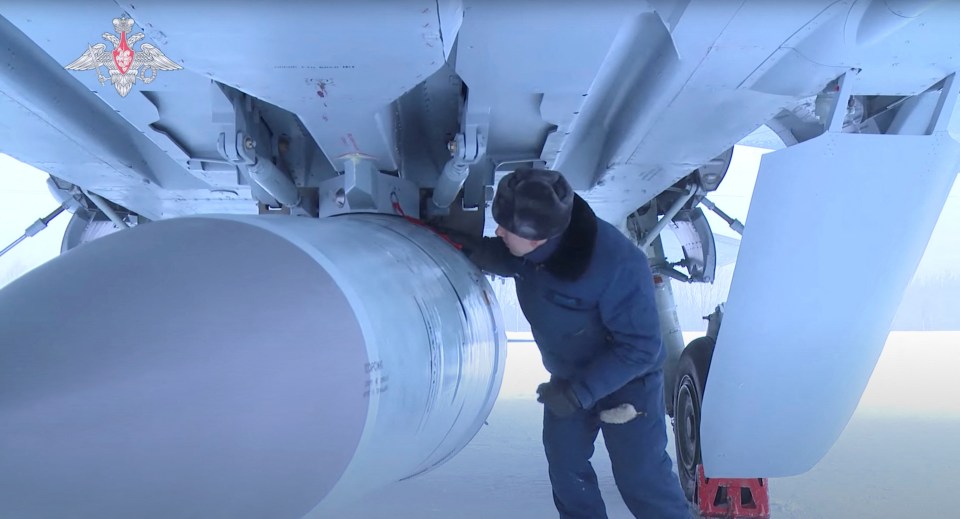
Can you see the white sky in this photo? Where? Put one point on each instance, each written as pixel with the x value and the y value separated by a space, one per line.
pixel 26 199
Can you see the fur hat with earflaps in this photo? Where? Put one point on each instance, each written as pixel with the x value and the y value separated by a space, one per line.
pixel 533 203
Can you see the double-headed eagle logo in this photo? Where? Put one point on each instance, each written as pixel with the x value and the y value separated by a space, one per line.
pixel 123 63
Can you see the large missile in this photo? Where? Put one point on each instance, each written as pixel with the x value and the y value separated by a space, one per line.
pixel 241 367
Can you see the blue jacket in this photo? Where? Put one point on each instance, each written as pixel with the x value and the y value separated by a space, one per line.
pixel 588 296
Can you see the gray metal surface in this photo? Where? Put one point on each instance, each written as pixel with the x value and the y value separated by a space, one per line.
pixel 86 226
pixel 363 189
pixel 698 243
pixel 800 336
pixel 240 367
pixel 625 97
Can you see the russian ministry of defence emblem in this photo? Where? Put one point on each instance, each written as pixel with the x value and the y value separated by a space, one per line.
pixel 124 64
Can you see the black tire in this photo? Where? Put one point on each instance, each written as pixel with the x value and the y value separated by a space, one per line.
pixel 692 370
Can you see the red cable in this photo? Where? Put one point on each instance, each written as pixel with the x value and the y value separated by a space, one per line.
pixel 399 210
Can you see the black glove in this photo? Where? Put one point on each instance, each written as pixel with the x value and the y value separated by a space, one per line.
pixel 558 397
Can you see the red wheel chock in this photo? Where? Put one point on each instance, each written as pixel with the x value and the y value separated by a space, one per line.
pixel 732 498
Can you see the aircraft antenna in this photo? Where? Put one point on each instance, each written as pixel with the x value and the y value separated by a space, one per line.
pixel 34 228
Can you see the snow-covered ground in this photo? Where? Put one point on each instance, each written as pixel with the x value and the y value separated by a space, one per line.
pixel 897 458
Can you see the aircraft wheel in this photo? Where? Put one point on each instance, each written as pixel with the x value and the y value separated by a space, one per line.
pixel 692 372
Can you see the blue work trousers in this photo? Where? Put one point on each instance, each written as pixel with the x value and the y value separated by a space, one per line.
pixel 641 467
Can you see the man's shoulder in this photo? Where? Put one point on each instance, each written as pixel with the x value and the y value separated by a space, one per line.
pixel 613 245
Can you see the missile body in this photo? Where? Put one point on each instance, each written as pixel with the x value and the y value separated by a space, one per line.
pixel 229 366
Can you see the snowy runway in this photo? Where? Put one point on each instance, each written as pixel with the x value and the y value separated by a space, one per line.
pixel 897 458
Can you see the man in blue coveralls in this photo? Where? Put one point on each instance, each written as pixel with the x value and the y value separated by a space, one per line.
pixel 587 292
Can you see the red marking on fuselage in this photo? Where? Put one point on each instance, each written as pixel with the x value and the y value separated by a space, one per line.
pixel 353 141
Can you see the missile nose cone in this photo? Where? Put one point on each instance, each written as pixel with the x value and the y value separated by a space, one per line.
pixel 141 370
pixel 228 367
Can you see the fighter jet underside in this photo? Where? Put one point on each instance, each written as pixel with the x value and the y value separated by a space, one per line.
pixel 265 155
